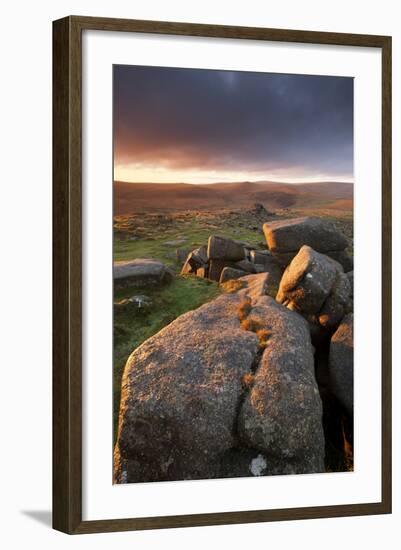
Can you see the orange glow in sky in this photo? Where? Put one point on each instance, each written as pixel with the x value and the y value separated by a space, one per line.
pixel 140 172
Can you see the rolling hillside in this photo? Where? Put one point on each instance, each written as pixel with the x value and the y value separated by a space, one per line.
pixel 135 197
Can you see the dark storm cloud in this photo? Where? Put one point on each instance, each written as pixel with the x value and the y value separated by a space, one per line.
pixel 202 119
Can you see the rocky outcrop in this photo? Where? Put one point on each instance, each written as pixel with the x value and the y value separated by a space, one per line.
pixel 254 287
pixel 230 273
pixel 180 392
pixel 341 363
pixel 221 248
pixel 284 238
pixel 141 272
pixel 229 256
pixel 315 286
pixel 185 411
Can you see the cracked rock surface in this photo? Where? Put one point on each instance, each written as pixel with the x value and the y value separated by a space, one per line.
pixel 185 413
pixel 282 414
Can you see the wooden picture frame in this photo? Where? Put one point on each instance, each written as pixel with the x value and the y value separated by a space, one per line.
pixel 67 274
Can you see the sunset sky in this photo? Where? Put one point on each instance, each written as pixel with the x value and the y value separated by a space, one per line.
pixel 203 126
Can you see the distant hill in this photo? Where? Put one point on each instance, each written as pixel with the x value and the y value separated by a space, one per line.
pixel 134 197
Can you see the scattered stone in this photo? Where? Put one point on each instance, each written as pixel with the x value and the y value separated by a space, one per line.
pixel 230 273
pixel 140 302
pixel 187 268
pixel 285 237
pixel 307 281
pixel 221 248
pixel 247 253
pixel 141 272
pixel 216 267
pixel 289 235
pixel 246 265
pixel 260 256
pixel 181 254
pixel 195 260
pixel 176 242
pixel 260 211
pixel 201 254
pixel 203 272
pixel 341 363
pixel 315 286
pixel 268 263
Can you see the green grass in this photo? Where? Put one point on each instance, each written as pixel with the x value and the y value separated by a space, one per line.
pixel 133 326
pixel 196 235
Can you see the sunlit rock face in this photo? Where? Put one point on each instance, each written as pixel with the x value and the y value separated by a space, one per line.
pixel 284 239
pixel 224 259
pixel 315 286
pixel 185 412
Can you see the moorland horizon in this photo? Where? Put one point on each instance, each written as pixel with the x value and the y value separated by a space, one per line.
pixel 132 197
pixel 241 181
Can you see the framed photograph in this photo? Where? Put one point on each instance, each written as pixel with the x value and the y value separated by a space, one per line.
pixel 222 274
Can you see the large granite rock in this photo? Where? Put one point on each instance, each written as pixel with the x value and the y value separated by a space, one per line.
pixel 315 286
pixel 255 286
pixel 180 393
pixel 307 281
pixel 141 272
pixel 216 268
pixel 222 248
pixel 246 265
pixel 341 363
pixel 285 237
pixel 282 414
pixel 230 273
pixel 196 259
pixel 183 391
pixel 267 262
